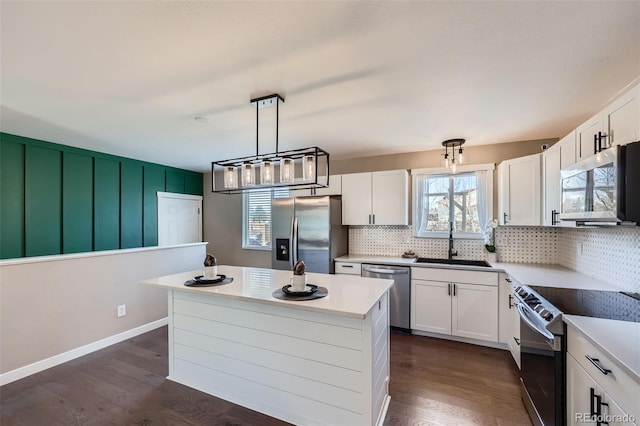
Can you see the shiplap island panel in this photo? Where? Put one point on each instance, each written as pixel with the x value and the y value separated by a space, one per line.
pixel 316 362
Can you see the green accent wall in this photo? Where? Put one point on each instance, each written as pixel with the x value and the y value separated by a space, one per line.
pixel 11 200
pixel 57 199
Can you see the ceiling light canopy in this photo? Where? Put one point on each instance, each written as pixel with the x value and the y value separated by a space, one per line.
pixel 297 168
pixel 451 147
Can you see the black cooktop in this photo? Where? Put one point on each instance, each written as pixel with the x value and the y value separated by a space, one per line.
pixel 615 305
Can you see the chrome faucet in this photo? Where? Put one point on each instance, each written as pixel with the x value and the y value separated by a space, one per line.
pixel 451 252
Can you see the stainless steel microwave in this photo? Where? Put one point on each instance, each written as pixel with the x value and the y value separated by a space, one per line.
pixel 600 189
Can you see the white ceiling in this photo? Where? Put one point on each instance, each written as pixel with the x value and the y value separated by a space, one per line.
pixel 359 78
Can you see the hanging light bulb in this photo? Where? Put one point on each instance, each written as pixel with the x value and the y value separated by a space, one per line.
pixel 445 161
pixel 454 167
pixel 248 175
pixel 287 171
pixel 460 157
pixel 309 168
pixel 266 172
pixel 230 177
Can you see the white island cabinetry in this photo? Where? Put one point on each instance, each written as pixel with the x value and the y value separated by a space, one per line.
pixel 315 362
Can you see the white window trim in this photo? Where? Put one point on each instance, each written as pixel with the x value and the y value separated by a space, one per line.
pixel 244 229
pixel 416 173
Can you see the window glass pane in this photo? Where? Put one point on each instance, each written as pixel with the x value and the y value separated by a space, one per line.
pixel 256 217
pixel 465 207
pixel 437 196
pixel 449 198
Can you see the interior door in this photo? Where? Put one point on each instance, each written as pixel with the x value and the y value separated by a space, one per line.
pixel 179 219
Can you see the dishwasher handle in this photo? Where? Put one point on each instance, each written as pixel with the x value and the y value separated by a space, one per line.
pixel 386 271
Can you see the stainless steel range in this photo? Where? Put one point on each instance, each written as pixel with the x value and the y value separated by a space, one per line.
pixel 542 352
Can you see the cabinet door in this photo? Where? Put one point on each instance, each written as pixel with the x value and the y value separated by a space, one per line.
pixel 431 306
pixel 390 203
pixel 579 385
pixel 504 306
pixel 622 119
pixel 567 150
pixel 475 311
pixel 551 186
pixel 519 195
pixel 585 134
pixel 616 415
pixel 356 199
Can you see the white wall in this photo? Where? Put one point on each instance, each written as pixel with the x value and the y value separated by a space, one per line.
pixel 55 304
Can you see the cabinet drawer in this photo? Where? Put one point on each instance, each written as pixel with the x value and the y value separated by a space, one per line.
pixel 455 275
pixel 618 384
pixel 349 268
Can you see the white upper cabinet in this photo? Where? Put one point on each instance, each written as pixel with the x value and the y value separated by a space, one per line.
pixel 551 185
pixel 621 119
pixel 519 191
pixel 567 146
pixel 587 137
pixel 616 124
pixel 377 198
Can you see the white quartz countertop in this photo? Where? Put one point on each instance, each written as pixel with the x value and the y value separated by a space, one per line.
pixel 362 258
pixel 349 295
pixel 620 340
pixel 551 276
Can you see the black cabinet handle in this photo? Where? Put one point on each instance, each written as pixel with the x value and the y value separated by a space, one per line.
pixel 554 215
pixel 504 218
pixel 347 266
pixel 595 143
pixel 592 406
pixel 454 289
pixel 600 137
pixel 517 341
pixel 449 289
pixel 596 362
pixel 510 299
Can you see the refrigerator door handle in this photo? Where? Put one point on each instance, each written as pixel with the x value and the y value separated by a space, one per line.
pixel 294 241
pixel 292 244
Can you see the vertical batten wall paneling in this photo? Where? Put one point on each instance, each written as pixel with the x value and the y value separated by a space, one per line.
pixel 175 181
pixel 11 200
pixel 130 204
pixel 43 203
pixel 193 184
pixel 58 199
pixel 154 181
pixel 77 203
pixel 106 226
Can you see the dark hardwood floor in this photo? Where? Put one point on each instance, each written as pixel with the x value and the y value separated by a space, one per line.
pixel 433 381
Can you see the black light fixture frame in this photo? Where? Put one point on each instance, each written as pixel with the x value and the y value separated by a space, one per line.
pixel 295 154
pixel 453 144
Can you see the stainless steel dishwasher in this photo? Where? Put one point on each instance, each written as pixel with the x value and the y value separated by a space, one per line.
pixel 400 293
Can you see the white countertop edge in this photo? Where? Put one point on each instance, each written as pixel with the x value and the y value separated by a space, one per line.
pixel 209 291
pixel 58 257
pixel 399 261
pixel 585 325
pixel 552 275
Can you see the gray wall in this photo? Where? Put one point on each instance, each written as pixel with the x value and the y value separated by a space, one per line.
pixel 223 213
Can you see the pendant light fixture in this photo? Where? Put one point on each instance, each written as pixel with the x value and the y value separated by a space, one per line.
pixel 307 160
pixel 451 148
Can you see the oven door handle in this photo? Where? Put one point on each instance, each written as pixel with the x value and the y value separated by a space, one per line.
pixel 524 315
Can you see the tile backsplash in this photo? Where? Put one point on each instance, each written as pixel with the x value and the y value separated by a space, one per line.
pixel 611 255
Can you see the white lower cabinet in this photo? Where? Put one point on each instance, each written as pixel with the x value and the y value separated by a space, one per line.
pixel 597 386
pixel 508 317
pixel 457 303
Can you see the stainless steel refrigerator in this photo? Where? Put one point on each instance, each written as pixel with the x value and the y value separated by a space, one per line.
pixel 308 229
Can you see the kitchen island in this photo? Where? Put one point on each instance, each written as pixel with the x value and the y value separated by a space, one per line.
pixel 314 362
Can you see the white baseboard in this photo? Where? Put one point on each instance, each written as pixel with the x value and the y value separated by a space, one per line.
pixel 38 366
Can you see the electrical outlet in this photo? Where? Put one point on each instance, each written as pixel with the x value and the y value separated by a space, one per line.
pixel 122 310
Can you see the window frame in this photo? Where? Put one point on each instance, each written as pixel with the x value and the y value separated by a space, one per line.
pixel 418 174
pixel 274 193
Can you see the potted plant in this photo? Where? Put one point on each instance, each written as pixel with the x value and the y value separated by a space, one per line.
pixel 489 240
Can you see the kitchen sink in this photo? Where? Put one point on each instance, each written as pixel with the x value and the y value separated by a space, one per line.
pixel 453 262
